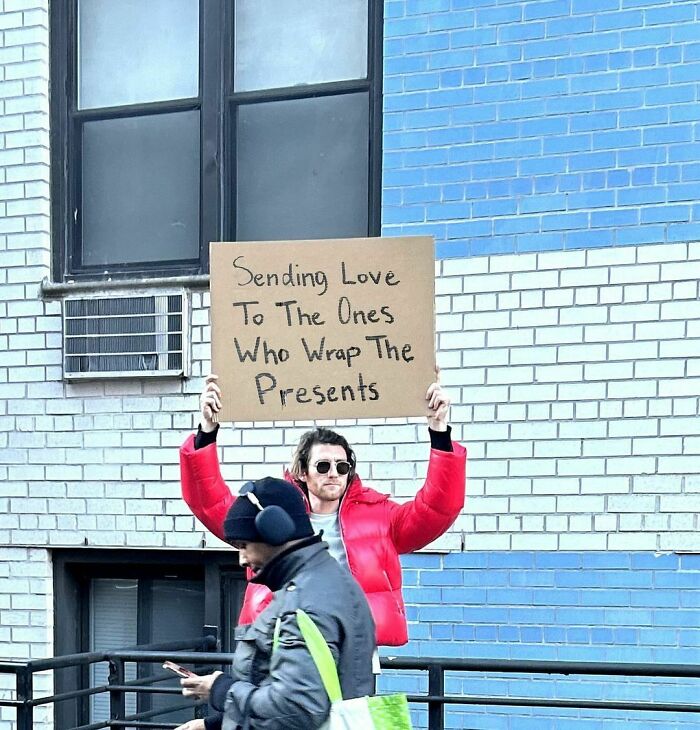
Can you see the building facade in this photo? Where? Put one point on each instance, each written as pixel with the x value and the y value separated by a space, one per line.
pixel 551 147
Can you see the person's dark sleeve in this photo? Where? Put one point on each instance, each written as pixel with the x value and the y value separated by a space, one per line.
pixel 440 440
pixel 214 722
pixel 204 438
pixel 217 695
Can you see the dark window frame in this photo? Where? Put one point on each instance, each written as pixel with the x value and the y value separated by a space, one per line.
pixel 74 568
pixel 217 105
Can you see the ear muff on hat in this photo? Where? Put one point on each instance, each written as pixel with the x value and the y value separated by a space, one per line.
pixel 274 524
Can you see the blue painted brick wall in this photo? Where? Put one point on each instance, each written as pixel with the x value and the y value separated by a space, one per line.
pixel 588 606
pixel 541 124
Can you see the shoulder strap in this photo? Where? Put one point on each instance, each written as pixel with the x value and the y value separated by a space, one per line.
pixel 320 653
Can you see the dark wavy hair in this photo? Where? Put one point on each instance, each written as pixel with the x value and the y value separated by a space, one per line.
pixel 300 460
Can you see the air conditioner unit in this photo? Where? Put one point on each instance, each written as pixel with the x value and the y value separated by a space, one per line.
pixel 125 336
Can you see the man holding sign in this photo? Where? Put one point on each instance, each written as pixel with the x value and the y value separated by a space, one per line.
pixel 366 531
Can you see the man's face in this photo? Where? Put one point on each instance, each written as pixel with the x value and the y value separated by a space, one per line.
pixel 254 555
pixel 331 486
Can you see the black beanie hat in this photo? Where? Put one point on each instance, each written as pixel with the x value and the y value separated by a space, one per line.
pixel 240 523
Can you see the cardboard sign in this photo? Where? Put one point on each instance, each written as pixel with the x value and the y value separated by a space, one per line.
pixel 323 329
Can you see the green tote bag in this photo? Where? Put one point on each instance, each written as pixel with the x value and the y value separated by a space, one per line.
pixel 379 712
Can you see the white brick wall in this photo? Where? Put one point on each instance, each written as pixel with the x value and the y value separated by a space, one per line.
pixel 584 422
pixel 611 370
pixel 26 623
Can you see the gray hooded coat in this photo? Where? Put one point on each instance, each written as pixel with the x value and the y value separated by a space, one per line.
pixel 283 689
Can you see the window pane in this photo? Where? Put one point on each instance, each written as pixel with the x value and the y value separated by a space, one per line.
pixel 302 169
pixel 133 51
pixel 177 613
pixel 113 611
pixel 140 194
pixel 314 41
pixel 177 610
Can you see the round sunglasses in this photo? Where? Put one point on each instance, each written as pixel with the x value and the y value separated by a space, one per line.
pixel 324 466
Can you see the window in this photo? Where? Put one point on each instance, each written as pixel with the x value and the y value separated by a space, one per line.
pixel 107 600
pixel 123 612
pixel 190 121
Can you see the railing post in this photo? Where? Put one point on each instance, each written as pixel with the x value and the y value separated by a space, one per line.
pixel 201 711
pixel 436 688
pixel 117 699
pixel 25 691
pixel 214 632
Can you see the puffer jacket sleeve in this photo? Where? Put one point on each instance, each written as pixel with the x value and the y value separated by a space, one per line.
pixel 203 487
pixel 437 504
pixel 295 698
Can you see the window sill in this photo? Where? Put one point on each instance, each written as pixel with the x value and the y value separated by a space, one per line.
pixel 58 290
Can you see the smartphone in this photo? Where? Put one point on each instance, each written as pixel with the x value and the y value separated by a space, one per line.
pixel 180 671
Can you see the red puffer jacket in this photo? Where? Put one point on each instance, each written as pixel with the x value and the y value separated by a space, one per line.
pixel 374 528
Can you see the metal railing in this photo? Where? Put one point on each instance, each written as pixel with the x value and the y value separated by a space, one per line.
pixel 197 652
pixel 436 700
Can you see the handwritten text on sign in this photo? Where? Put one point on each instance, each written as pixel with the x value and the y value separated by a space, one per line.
pixel 323 329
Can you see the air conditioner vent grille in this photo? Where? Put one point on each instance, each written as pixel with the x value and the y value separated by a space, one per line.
pixel 125 336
